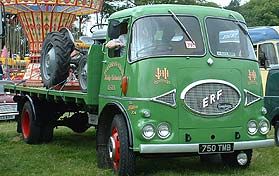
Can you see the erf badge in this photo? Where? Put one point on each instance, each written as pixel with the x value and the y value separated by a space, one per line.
pixel 252 77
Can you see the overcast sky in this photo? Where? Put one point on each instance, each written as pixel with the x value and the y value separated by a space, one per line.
pixel 224 3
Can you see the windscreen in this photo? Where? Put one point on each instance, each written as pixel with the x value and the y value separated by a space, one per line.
pixel 228 39
pixel 159 36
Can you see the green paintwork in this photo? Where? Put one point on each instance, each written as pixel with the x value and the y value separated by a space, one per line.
pixel 94 64
pixel 198 11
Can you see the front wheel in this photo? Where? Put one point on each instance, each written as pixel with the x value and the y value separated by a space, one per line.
pixel 238 159
pixel 123 158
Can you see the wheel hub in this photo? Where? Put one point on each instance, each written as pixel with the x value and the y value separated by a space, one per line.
pixel 114 149
pixel 49 62
pixel 26 124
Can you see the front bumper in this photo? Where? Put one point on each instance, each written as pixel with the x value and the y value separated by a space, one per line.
pixel 194 148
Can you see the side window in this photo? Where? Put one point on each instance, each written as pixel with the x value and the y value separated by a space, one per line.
pixel 117 46
pixel 269 51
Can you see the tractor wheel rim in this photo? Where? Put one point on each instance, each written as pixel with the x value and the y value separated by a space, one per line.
pixel 26 124
pixel 49 62
pixel 83 79
pixel 114 149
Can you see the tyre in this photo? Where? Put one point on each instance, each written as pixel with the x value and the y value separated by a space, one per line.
pixel 47 133
pixel 238 159
pixel 122 158
pixel 82 74
pixel 30 130
pixel 55 58
pixel 276 133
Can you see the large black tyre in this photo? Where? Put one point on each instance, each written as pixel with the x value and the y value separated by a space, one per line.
pixel 276 133
pixel 47 133
pixel 123 158
pixel 55 58
pixel 82 73
pixel 30 130
pixel 230 159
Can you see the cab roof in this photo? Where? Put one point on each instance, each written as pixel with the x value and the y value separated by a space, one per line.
pixel 199 11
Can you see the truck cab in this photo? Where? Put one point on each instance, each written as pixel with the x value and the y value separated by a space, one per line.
pixel 187 82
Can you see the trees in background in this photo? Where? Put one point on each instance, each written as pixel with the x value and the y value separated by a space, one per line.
pixel 261 12
pixel 256 12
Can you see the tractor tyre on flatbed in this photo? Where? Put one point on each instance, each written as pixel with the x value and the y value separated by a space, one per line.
pixel 55 58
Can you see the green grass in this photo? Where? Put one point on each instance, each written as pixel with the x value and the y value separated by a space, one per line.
pixel 74 154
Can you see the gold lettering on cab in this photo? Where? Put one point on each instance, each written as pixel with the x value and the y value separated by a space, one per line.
pixel 113 72
pixel 111 87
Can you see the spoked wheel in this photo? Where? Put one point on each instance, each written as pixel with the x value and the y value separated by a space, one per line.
pixel 122 158
pixel 30 131
pixel 55 58
pixel 238 159
pixel 82 73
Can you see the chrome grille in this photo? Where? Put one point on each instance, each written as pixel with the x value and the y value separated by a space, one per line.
pixel 166 98
pixel 250 98
pixel 211 97
pixel 7 108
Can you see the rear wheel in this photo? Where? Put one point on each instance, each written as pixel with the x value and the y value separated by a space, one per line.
pixel 123 158
pixel 30 130
pixel 47 133
pixel 55 58
pixel 237 159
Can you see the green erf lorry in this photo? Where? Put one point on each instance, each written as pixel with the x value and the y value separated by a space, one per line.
pixel 187 82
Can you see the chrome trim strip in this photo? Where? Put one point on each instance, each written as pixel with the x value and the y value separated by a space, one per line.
pixel 9 114
pixel 124 98
pixel 271 96
pixel 186 89
pixel 246 99
pixel 194 148
pixel 154 99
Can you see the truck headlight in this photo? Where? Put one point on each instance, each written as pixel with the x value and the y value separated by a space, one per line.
pixel 264 127
pixel 164 130
pixel 148 131
pixel 252 127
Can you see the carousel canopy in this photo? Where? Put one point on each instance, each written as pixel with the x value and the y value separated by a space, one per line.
pixel 77 7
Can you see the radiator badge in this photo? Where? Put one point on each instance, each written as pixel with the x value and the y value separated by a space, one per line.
pixel 212 98
pixel 161 76
pixel 252 77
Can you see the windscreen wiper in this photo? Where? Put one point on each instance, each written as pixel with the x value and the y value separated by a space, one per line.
pixel 181 25
pixel 243 29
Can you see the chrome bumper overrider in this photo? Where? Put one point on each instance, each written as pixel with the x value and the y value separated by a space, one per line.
pixel 194 148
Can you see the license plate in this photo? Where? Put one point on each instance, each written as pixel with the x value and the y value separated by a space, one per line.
pixel 10 117
pixel 216 148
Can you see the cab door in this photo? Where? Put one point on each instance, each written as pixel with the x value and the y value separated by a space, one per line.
pixel 115 58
